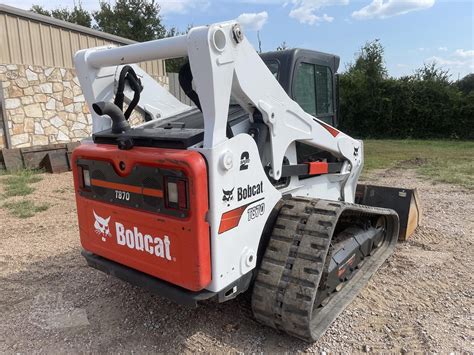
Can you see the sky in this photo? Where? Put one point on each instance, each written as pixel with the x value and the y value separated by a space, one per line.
pixel 413 32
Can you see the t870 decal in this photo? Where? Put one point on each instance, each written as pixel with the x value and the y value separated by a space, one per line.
pixel 256 211
pixel 122 195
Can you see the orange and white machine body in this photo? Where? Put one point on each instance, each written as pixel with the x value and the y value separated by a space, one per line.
pixel 194 216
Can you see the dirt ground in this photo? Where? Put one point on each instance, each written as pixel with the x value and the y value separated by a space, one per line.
pixel 50 301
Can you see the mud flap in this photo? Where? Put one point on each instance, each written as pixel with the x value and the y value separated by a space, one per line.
pixel 404 201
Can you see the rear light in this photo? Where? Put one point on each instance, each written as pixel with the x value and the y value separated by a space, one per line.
pixel 176 194
pixel 84 177
pixel 172 192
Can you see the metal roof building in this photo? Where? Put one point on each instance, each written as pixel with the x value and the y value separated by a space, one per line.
pixel 33 39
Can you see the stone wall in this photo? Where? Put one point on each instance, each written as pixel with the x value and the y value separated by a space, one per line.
pixel 44 105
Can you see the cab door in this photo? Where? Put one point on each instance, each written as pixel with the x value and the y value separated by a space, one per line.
pixel 313 88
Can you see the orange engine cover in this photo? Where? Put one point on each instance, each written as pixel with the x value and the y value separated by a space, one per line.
pixel 124 215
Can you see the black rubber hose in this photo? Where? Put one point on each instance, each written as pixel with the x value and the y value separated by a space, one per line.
pixel 119 123
pixel 136 97
pixel 119 97
pixel 185 78
pixel 127 73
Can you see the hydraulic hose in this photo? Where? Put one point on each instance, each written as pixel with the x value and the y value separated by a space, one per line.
pixel 128 74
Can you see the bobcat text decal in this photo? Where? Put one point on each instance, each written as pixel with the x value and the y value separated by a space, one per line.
pixel 133 239
pixel 136 240
pixel 249 191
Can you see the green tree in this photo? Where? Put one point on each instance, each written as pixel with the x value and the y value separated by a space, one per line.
pixel 423 105
pixel 77 15
pixel 40 10
pixel 137 20
pixel 362 103
pixel 370 62
pixel 432 72
pixel 466 84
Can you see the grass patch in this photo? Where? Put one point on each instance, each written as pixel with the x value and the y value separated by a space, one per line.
pixel 25 208
pixel 18 184
pixel 443 161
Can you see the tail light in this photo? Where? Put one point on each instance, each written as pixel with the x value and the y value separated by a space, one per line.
pixel 84 177
pixel 176 193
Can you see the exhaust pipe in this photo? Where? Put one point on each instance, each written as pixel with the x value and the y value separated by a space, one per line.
pixel 119 123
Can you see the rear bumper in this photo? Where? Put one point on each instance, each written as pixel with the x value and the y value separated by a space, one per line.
pixel 150 283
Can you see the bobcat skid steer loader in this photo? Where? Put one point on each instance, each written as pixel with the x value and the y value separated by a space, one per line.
pixel 250 189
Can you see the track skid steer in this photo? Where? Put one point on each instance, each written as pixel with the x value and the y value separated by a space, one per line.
pixel 251 188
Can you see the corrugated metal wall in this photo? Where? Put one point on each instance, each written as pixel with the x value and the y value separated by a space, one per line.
pixel 31 42
pixel 176 90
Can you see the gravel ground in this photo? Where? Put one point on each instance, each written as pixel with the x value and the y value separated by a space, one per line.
pixel 50 301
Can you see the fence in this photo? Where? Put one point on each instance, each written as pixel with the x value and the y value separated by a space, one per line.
pixel 176 90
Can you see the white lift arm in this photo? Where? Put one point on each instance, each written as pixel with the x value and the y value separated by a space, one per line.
pixel 223 64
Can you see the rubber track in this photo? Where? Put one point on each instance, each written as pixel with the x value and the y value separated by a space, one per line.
pixel 291 268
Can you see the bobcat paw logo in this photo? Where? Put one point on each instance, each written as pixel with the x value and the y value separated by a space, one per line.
pixel 228 195
pixel 101 226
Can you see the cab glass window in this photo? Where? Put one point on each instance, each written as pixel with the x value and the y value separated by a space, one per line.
pixel 274 67
pixel 324 102
pixel 312 89
pixel 304 88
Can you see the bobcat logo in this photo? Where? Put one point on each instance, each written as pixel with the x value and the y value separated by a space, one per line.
pixel 101 226
pixel 228 195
